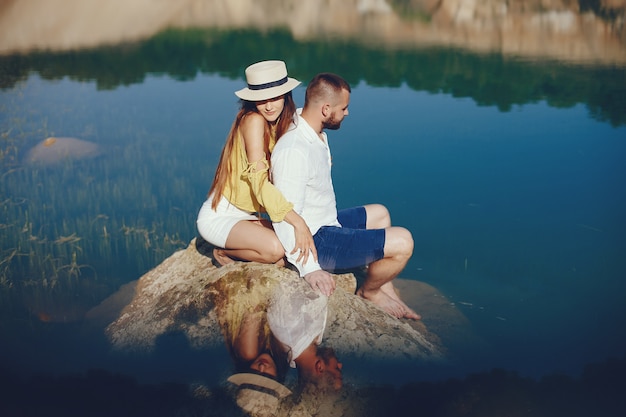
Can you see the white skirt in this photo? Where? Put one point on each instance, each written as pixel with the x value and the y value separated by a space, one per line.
pixel 215 225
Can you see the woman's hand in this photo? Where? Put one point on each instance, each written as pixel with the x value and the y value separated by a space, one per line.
pixel 304 244
pixel 304 239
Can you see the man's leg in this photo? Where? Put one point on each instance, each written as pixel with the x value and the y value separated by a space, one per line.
pixel 385 250
pixel 378 216
pixel 380 274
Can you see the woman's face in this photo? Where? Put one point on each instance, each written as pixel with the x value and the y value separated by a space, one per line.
pixel 265 364
pixel 272 108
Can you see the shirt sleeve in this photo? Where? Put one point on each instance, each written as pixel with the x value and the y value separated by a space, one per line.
pixel 296 315
pixel 266 194
pixel 290 169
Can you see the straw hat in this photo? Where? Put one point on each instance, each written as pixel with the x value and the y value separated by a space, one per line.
pixel 266 79
pixel 258 394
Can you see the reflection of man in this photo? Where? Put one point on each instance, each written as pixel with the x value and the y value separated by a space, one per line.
pixel 357 237
pixel 332 376
pixel 296 316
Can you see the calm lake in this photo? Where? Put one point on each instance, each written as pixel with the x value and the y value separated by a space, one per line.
pixel 509 172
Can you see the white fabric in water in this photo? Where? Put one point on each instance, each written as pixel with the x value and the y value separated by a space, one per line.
pixel 297 316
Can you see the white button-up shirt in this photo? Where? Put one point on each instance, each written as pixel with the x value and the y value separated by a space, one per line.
pixel 301 170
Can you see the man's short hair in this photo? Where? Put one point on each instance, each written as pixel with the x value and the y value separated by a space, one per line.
pixel 324 86
pixel 326 353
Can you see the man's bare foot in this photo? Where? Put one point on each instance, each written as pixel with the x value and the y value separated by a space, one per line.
pixel 219 256
pixel 390 290
pixel 384 301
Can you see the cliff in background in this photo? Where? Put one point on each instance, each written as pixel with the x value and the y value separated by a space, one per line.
pixel 577 30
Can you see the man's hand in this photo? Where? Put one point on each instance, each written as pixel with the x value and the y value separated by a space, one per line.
pixel 322 281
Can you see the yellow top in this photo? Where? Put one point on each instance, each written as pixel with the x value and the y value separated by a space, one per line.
pixel 251 190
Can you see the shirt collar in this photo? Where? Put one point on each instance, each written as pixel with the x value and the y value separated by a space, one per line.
pixel 310 134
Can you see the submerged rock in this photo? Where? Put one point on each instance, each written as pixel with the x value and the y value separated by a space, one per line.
pixel 54 150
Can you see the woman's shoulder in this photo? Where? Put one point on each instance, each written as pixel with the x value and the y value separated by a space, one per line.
pixel 252 120
pixel 252 128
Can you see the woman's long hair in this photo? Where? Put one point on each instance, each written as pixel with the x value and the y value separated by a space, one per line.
pixel 224 171
pixel 233 298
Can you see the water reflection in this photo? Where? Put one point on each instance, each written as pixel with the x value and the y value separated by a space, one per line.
pixel 260 368
pixel 269 324
pixel 297 317
pixel 241 304
pixel 485 78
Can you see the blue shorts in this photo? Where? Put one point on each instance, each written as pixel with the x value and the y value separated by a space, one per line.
pixel 350 246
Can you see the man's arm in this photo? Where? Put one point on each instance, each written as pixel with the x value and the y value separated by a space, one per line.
pixel 290 173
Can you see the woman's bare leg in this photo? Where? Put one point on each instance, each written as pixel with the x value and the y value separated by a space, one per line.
pixel 251 241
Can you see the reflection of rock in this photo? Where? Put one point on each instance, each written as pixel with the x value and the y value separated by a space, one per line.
pixel 175 297
pixel 563 29
pixel 54 150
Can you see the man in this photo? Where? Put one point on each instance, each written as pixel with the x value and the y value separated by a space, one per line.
pixel 352 238
pixel 296 315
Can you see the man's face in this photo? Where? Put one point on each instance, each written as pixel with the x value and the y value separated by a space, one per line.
pixel 338 112
pixel 333 371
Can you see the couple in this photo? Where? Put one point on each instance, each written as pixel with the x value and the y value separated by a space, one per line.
pixel 299 199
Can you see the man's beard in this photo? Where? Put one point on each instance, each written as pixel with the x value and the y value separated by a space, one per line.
pixel 332 123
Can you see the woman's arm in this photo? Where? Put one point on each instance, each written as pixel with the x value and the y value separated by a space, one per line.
pixel 304 238
pixel 246 344
pixel 252 130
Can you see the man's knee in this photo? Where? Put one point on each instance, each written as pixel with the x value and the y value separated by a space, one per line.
pixel 407 241
pixel 399 242
pixel 378 216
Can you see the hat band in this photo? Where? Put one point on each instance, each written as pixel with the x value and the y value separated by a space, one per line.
pixel 267 85
pixel 259 388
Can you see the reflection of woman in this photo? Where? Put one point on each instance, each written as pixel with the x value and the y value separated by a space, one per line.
pixel 240 301
pixel 241 187
pixel 252 348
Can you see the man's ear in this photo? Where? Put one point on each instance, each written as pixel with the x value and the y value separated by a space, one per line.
pixel 325 109
pixel 319 366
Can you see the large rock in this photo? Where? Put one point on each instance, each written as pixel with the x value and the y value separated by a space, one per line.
pixel 185 294
pixel 176 297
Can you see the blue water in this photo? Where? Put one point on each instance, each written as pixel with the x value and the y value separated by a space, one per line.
pixel 517 216
pixel 520 216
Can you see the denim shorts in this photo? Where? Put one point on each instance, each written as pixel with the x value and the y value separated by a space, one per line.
pixel 350 246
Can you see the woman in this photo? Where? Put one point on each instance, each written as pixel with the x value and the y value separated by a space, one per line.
pixel 241 190
pixel 240 303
